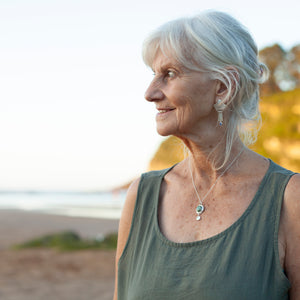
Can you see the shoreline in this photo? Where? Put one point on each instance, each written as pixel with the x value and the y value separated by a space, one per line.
pixel 18 226
pixel 42 273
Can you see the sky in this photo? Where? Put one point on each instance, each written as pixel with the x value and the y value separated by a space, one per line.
pixel 72 83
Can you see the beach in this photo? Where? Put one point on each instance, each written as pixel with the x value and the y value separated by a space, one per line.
pixel 35 274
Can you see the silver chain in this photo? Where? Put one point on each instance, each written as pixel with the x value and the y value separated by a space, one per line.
pixel 196 191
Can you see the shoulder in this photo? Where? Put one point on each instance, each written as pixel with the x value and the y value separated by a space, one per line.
pixel 130 203
pixel 126 217
pixel 291 203
pixel 293 188
pixel 128 208
pixel 125 225
pixel 291 226
pixel 132 191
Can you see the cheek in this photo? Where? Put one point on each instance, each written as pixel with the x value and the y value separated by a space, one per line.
pixel 203 100
pixel 188 110
pixel 192 104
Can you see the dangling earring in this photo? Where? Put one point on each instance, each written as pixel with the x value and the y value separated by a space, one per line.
pixel 219 107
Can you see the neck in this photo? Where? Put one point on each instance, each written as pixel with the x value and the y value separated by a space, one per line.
pixel 205 160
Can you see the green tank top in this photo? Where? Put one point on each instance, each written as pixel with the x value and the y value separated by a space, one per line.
pixel 240 263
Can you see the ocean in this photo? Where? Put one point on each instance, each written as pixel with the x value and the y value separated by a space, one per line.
pixel 106 205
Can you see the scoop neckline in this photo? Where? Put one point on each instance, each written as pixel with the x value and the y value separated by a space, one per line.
pixel 218 235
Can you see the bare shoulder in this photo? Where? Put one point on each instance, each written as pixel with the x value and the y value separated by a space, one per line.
pixel 126 217
pixel 124 226
pixel 129 204
pixel 293 188
pixel 132 193
pixel 291 227
pixel 291 204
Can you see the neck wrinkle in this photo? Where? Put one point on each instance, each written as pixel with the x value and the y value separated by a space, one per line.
pixel 203 166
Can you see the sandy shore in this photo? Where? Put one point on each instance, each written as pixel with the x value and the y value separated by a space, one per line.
pixel 36 274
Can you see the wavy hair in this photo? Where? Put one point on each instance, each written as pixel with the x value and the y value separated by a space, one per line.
pixel 217 43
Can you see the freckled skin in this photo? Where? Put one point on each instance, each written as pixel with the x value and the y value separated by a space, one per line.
pixel 189 97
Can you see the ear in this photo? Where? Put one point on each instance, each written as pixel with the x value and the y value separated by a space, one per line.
pixel 221 89
pixel 226 89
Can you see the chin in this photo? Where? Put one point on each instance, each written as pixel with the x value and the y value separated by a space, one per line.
pixel 164 131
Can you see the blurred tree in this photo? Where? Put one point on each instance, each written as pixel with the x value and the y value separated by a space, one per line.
pixel 284 69
pixel 294 64
pixel 170 152
pixel 273 57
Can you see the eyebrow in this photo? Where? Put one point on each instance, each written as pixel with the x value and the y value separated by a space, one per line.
pixel 166 66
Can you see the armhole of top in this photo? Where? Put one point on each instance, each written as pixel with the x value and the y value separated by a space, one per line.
pixel 278 209
pixel 160 174
pixel 123 255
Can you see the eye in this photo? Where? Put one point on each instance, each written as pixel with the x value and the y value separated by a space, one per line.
pixel 171 74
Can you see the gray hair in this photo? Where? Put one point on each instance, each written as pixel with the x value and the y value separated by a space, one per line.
pixel 217 43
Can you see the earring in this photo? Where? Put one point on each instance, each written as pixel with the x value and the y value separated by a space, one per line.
pixel 219 107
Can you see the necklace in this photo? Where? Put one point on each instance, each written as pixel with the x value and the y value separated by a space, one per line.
pixel 200 207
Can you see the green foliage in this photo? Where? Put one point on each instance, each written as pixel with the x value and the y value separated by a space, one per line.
pixel 69 241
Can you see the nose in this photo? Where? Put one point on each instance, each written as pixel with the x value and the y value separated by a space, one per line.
pixel 153 92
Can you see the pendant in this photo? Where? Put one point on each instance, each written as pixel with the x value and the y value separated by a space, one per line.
pixel 199 211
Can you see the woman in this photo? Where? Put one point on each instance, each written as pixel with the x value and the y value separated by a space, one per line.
pixel 224 222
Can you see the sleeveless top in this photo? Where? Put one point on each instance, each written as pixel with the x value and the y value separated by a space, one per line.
pixel 240 263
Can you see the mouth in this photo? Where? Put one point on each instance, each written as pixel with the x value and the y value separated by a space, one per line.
pixel 162 111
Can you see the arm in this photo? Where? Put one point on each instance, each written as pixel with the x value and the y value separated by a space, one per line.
pixel 291 227
pixel 124 226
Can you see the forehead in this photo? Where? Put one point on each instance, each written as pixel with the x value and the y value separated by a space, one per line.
pixel 162 61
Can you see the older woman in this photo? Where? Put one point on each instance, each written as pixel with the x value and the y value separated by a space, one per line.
pixel 224 222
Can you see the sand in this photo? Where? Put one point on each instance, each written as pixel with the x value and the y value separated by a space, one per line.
pixel 35 274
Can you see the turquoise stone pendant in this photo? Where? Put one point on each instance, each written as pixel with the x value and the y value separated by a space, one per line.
pixel 199 211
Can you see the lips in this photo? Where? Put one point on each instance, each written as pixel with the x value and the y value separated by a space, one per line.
pixel 164 110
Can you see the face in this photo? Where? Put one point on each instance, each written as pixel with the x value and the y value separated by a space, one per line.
pixel 184 99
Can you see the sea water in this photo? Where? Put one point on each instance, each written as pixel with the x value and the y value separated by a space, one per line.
pixel 80 204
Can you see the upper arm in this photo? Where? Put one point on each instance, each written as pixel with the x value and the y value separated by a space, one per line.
pixel 126 217
pixel 291 225
pixel 125 225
